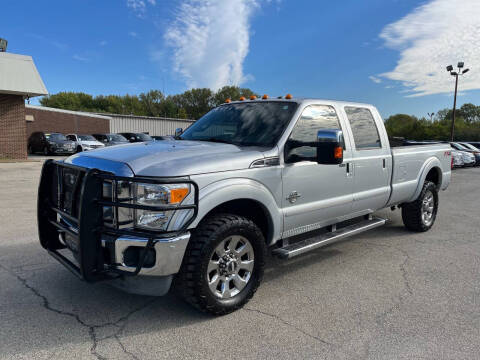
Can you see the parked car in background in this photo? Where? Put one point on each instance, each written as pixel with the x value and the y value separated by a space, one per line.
pixel 468 156
pixel 49 143
pixel 85 142
pixel 475 143
pixel 136 137
pixel 457 159
pixel 162 138
pixel 474 150
pixel 111 139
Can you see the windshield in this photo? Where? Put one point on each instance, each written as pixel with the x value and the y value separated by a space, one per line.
pixel 56 137
pixel 86 137
pixel 255 123
pixel 144 137
pixel 116 137
pixel 471 147
pixel 460 147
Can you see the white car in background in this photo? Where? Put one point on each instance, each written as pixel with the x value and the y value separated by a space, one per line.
pixel 85 142
pixel 457 159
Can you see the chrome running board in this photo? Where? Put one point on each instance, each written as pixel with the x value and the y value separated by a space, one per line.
pixel 316 242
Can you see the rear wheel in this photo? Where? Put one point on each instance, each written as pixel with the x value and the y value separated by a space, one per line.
pixel 45 150
pixel 420 215
pixel 223 264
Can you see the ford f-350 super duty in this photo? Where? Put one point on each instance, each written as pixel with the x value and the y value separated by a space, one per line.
pixel 200 212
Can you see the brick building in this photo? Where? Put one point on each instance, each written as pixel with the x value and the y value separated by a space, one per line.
pixel 19 79
pixel 40 118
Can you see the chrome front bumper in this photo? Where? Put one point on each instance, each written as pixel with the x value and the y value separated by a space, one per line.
pixel 168 253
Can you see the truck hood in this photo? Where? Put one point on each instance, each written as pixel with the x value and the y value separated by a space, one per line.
pixel 173 158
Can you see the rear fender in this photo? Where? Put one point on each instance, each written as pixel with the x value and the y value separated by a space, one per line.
pixel 431 163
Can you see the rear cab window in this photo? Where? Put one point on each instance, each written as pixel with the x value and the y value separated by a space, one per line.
pixel 364 128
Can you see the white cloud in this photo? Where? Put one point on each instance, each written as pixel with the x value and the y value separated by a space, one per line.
pixel 80 58
pixel 210 40
pixel 375 79
pixel 132 34
pixel 432 36
pixel 139 6
pixel 103 43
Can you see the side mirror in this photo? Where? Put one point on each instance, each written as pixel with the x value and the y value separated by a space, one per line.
pixel 178 132
pixel 330 144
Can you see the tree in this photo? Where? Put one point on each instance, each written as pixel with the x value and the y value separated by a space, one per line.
pixel 152 102
pixel 231 92
pixel 196 102
pixel 470 113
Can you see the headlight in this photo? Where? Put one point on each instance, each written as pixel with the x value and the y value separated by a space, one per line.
pixel 158 195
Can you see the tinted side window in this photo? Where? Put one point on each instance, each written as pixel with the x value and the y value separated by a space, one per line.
pixel 71 137
pixel 313 118
pixel 365 132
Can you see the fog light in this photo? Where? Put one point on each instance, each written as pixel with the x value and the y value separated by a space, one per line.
pixel 131 257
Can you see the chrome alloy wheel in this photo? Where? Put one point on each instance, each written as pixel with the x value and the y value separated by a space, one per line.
pixel 428 206
pixel 230 267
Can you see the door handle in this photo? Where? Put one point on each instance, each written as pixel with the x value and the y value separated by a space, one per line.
pixel 384 163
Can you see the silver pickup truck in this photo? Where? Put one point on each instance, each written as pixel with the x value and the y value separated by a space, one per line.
pixel 200 212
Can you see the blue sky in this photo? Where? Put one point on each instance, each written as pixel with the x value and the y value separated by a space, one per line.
pixel 391 53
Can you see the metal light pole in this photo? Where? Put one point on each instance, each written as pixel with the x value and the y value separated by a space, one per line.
pixel 431 115
pixel 456 74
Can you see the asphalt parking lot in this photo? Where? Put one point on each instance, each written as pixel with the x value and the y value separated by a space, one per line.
pixel 385 294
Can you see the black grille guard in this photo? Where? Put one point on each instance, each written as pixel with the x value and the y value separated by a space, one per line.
pixel 88 226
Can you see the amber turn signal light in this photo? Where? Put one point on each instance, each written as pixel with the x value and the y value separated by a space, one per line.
pixel 177 195
pixel 338 152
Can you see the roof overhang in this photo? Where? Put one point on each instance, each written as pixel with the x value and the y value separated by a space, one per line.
pixel 19 76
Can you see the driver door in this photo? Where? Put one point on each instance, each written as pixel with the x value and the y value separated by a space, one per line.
pixel 315 195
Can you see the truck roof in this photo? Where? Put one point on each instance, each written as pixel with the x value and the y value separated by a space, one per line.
pixel 300 100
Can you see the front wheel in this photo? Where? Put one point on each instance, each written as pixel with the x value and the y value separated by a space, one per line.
pixel 223 264
pixel 79 149
pixel 420 215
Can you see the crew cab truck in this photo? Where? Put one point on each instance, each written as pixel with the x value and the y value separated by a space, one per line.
pixel 200 212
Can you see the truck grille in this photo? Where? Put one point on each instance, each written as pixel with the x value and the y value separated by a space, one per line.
pixel 69 190
pixel 83 205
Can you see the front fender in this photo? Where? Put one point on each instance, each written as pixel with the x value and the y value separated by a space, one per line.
pixel 222 191
pixel 429 165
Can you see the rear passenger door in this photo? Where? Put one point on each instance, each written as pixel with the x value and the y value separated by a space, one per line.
pixel 372 160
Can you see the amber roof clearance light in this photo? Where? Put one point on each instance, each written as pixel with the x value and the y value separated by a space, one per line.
pixel 288 96
pixel 252 97
pixel 265 97
pixel 242 98
pixel 228 101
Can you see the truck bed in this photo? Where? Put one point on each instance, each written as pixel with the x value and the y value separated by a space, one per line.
pixel 410 164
